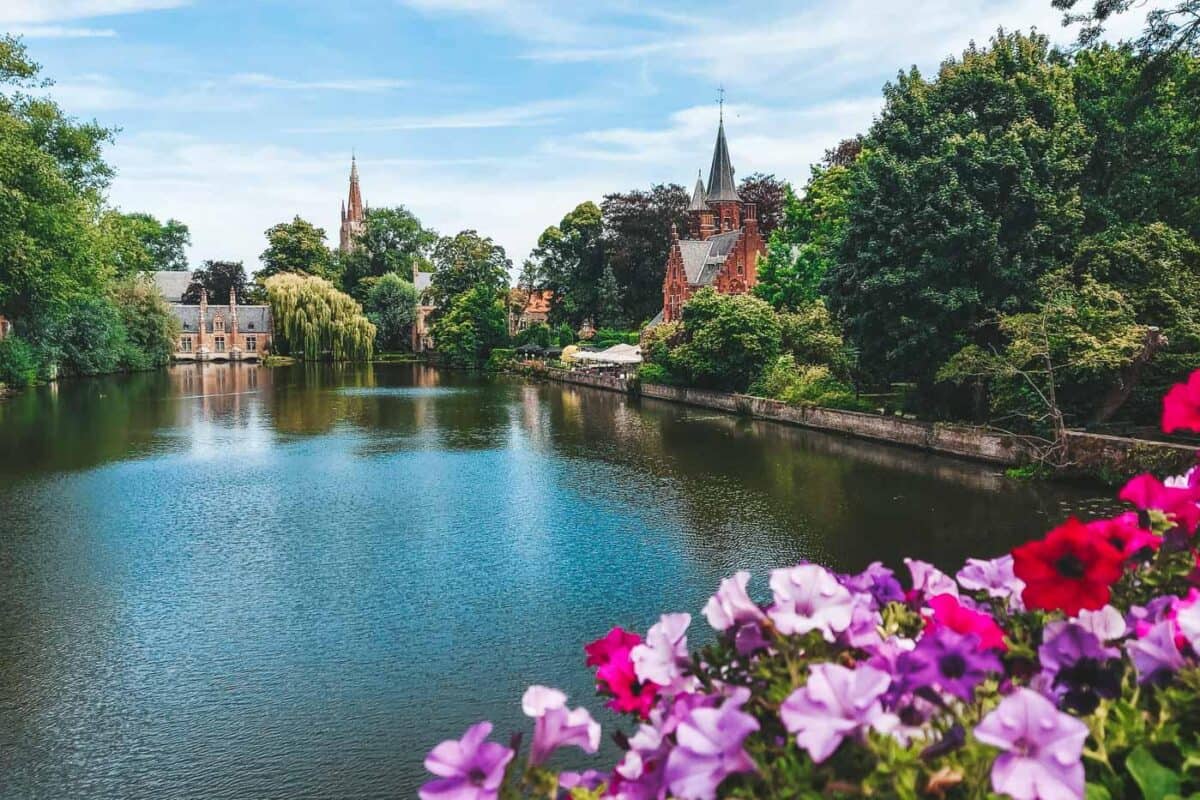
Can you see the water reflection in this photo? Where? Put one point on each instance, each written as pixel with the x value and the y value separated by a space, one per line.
pixel 238 582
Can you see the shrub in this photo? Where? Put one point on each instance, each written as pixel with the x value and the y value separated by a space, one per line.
pixel 500 358
pixel 538 333
pixel 1066 668
pixel 728 339
pixel 656 373
pixel 18 367
pixel 805 385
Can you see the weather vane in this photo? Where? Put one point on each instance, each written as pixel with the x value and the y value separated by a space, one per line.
pixel 721 101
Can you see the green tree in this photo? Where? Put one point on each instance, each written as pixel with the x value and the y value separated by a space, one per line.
pixel 464 262
pixel 1169 29
pixel 392 307
pixel 296 246
pixel 218 278
pixel 570 261
pixel 727 339
pixel 806 243
pixel 151 330
pixel 810 334
pixel 608 301
pixel 966 193
pixel 474 324
pixel 392 240
pixel 637 237
pixel 140 243
pixel 313 320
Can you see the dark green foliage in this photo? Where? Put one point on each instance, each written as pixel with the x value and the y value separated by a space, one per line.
pixel 538 333
pixel 569 260
pixel 218 278
pixel 769 195
pixel 90 338
pixel 392 240
pixel 464 262
pixel 140 243
pixel 471 328
pixel 392 306
pixel 296 246
pixel 151 330
pixel 965 194
pixel 18 365
pixel 637 236
pixel 727 340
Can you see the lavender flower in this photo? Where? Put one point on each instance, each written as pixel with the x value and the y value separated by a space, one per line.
pixel 1078 668
pixel 950 661
pixel 809 598
pixel 1106 623
pixel 469 768
pixel 1155 655
pixel 877 581
pixel 640 774
pixel 837 703
pixel 995 577
pixel 928 580
pixel 1042 748
pixel 731 605
pixel 555 725
pixel 709 748
pixel 1187 618
pixel 660 659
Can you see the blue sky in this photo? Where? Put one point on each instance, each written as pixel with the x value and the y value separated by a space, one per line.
pixel 498 115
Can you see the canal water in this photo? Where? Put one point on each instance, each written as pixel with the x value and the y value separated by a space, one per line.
pixel 236 582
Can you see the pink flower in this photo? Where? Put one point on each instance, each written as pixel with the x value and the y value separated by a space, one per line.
pixel 837 703
pixel 469 768
pixel 1181 406
pixel 809 598
pixel 1125 534
pixel 709 748
pixel 615 673
pixel 601 651
pixel 1042 748
pixel 731 605
pixel 949 613
pixel 661 658
pixel 1146 491
pixel 928 580
pixel 555 726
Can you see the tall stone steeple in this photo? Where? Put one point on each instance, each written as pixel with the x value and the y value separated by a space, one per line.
pixel 352 212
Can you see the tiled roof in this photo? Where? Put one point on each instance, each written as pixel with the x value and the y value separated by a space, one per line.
pixel 172 284
pixel 251 319
pixel 539 302
pixel 702 259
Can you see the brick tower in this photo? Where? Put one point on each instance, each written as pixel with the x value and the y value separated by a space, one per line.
pixel 352 213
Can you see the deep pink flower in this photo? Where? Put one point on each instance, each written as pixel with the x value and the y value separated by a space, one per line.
pixel 469 768
pixel 1125 534
pixel 835 704
pixel 1042 748
pixel 731 605
pixel 1181 406
pixel 1182 504
pixel 708 748
pixel 948 612
pixel 601 651
pixel 557 726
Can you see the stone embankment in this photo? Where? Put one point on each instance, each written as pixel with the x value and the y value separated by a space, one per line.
pixel 1110 457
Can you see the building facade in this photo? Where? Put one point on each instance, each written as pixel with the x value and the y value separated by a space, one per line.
pixel 353 213
pixel 723 243
pixel 215 332
pixel 422 339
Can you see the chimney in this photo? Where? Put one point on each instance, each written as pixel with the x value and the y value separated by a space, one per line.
pixel 233 321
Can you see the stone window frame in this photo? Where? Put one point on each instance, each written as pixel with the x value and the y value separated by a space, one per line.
pixel 251 344
pixel 219 344
pixel 185 344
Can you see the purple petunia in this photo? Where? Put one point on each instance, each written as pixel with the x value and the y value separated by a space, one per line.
pixel 555 725
pixel 835 704
pixel 928 580
pixel 640 774
pixel 995 577
pixel 809 598
pixel 660 659
pixel 1078 669
pixel 877 581
pixel 731 605
pixel 708 748
pixel 1155 655
pixel 1042 748
pixel 469 768
pixel 1106 623
pixel 947 660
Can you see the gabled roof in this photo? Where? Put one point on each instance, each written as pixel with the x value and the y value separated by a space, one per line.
pixel 720 176
pixel 251 319
pixel 172 284
pixel 698 203
pixel 702 259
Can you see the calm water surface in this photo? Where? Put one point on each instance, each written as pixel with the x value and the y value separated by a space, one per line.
pixel 234 582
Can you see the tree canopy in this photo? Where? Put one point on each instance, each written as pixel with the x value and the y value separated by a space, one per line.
pixel 218 278
pixel 296 246
pixel 313 320
pixel 392 240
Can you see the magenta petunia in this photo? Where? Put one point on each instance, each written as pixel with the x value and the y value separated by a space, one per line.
pixel 1041 748
pixel 809 598
pixel 1182 504
pixel 469 768
pixel 1181 406
pixel 837 703
pixel 708 748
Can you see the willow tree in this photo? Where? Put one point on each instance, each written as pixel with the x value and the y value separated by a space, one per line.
pixel 314 320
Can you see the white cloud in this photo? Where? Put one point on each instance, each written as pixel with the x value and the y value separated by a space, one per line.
pixel 264 81
pixel 96 92
pixel 60 32
pixel 539 112
pixel 18 11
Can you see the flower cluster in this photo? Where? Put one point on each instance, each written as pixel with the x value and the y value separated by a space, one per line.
pixel 1068 668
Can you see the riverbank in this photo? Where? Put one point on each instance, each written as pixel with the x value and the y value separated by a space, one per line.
pixel 1111 459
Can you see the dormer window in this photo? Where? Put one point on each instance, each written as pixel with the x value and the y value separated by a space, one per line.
pixel 250 326
pixel 219 324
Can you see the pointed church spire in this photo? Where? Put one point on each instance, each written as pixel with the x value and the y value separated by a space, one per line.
pixel 720 177
pixel 698 203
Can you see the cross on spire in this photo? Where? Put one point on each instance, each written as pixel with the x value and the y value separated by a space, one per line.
pixel 721 101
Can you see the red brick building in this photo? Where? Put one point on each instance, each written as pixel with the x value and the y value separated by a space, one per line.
pixel 352 214
pixel 723 244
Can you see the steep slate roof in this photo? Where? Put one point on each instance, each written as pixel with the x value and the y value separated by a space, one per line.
pixel 251 319
pixel 702 259
pixel 172 284
pixel 698 203
pixel 720 176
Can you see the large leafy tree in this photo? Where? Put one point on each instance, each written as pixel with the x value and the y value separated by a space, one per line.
pixel 472 326
pixel 313 320
pixel 464 262
pixel 141 243
pixel 637 237
pixel 392 307
pixel 151 329
pixel 727 339
pixel 296 246
pixel 217 278
pixel 1173 27
pixel 966 194
pixel 769 195
pixel 570 261
pixel 392 240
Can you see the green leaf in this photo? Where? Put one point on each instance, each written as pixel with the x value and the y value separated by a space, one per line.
pixel 1155 780
pixel 1097 792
